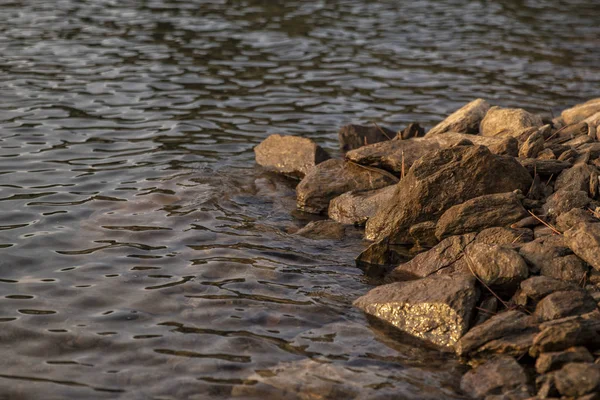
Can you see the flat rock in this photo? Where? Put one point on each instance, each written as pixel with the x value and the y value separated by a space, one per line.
pixel 290 155
pixel 498 375
pixel 464 120
pixel 568 268
pixel 575 178
pixel 563 304
pixel 578 379
pixel 560 334
pixel 440 181
pixel 437 309
pixel 564 201
pixel 319 230
pixel 508 122
pixel 332 178
pixel 571 218
pixel 357 207
pixel 544 168
pixel 584 240
pixel 498 267
pixel 355 136
pixel 493 210
pixel 502 146
pixel 543 250
pixel 535 288
pixel 515 345
pixel 500 235
pixel 551 361
pixel 580 112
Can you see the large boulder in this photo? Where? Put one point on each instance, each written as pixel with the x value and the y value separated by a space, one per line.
pixel 437 309
pixel 441 180
pixel 334 177
pixel 508 122
pixel 290 155
pixel 580 112
pixel 357 207
pixel 355 136
pixel 464 120
pixel 584 240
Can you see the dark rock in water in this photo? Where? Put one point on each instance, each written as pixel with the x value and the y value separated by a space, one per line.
pixel 357 207
pixel 319 230
pixel 492 210
pixel 355 136
pixel 464 120
pixel 564 201
pixel 578 379
pixel 584 240
pixel 568 268
pixel 508 323
pixel 500 235
pixel 547 362
pixel 536 288
pixel 575 178
pixel 379 258
pixel 569 219
pixel 290 155
pixel 560 334
pixel 413 130
pixel 335 177
pixel 423 234
pixel 437 309
pixel 498 375
pixel 440 181
pixel 544 168
pixel 508 122
pixel 498 267
pixel 532 145
pixel 563 304
pixel 581 111
pixel 445 258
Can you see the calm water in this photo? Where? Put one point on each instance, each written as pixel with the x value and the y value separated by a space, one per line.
pixel 144 256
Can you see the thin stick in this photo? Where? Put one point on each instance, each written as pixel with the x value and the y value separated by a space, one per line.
pixel 553 229
pixel 381 130
pixel 485 311
pixel 403 166
pixel 549 179
pixel 517 238
pixel 594 213
pixel 558 131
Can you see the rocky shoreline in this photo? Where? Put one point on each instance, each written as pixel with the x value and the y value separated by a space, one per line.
pixel 501 211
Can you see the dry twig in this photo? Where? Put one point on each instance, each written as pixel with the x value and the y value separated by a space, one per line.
pixel 552 228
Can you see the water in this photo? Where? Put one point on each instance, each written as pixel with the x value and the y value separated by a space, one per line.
pixel 142 253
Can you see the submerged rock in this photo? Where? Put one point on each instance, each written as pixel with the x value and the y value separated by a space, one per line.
pixel 290 155
pixel 464 120
pixel 440 181
pixel 319 230
pixel 508 122
pixel 580 112
pixel 584 240
pixel 357 207
pixel 437 309
pixel 334 177
pixel 355 136
pixel 380 257
pixel 498 375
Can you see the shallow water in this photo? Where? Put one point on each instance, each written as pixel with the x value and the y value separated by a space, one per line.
pixel 143 255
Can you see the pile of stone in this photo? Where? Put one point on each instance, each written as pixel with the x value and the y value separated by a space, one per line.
pixel 501 210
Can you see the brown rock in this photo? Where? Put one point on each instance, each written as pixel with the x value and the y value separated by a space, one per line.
pixel 544 168
pixel 499 375
pixel 437 309
pixel 546 154
pixel 564 304
pixel 532 145
pixel 584 240
pixel 319 230
pixel 542 251
pixel 508 122
pixel 355 136
pixel 575 178
pixel 564 201
pixel 568 156
pixel 499 235
pixel 464 120
pixel 335 177
pixel 578 379
pixel 498 267
pixel 560 334
pixel 571 218
pixel 413 130
pixel 569 268
pixel 423 234
pixel 580 112
pixel 290 155
pixel 357 207
pixel 547 362
pixel 380 257
pixel 536 288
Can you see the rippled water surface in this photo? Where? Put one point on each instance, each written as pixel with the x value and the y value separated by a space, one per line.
pixel 142 253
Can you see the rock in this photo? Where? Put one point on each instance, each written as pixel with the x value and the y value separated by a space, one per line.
pixel 560 334
pixel 357 207
pixel 578 379
pixel 487 308
pixel 580 112
pixel 568 268
pixel 584 240
pixel 515 345
pixel 571 218
pixel 568 156
pixel 437 309
pixel 532 145
pixel 502 146
pixel 536 288
pixel 498 267
pixel 501 325
pixel 499 235
pixel 334 177
pixel 499 375
pixel 355 136
pixel 594 188
pixel 544 168
pixel 563 304
pixel 575 178
pixel 508 122
pixel 319 230
pixel 444 258
pixel 564 201
pixel 413 130
pixel 593 123
pixel 440 181
pixel 380 257
pixel 290 155
pixel 546 154
pixel 464 120
pixel 423 234
pixel 547 362
pixel 543 251
pixel 501 209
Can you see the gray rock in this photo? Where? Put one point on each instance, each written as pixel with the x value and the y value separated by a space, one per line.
pixel 319 230
pixel 544 168
pixel 437 309
pixel 508 122
pixel 564 201
pixel 544 250
pixel 532 145
pixel 440 181
pixel 493 210
pixel 498 267
pixel 551 361
pixel 580 112
pixel 464 120
pixel 357 207
pixel 498 375
pixel 560 334
pixel 564 304
pixel 500 235
pixel 355 136
pixel 290 155
pixel 335 177
pixel 568 268
pixel 578 379
pixel 584 240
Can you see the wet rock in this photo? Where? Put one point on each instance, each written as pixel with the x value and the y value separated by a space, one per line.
pixel 501 209
pixel 444 258
pixel 498 267
pixel 464 120
pixel 584 240
pixel 560 334
pixel 423 234
pixel 335 177
pixel 381 257
pixel 532 145
pixel 564 201
pixel 508 122
pixel 319 230
pixel 357 207
pixel 437 309
pixel 413 130
pixel 500 235
pixel 575 178
pixel 563 304
pixel 440 181
pixel 355 136
pixel 571 218
pixel 544 168
pixel 569 268
pixel 578 379
pixel 290 155
pixel 580 112
pixel 499 375
pixel 551 361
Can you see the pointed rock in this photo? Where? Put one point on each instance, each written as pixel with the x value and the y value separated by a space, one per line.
pixel 508 122
pixel 464 120
pixel 580 112
pixel 584 240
